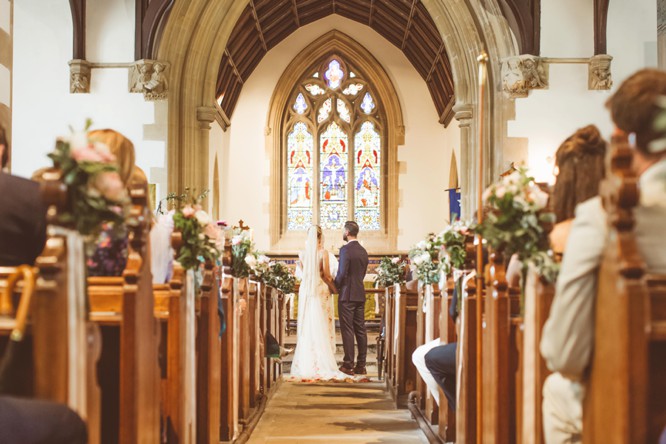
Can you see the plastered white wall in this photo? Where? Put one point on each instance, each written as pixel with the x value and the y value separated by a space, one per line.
pixel 549 116
pixel 424 158
pixel 44 108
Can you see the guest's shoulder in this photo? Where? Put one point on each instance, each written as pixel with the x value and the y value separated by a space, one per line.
pixel 18 183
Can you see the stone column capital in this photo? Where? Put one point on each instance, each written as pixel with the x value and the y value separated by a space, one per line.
pixel 149 77
pixel 206 115
pixel 523 73
pixel 599 72
pixel 463 114
pixel 79 76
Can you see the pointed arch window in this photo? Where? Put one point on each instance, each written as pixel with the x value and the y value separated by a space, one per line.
pixel 335 139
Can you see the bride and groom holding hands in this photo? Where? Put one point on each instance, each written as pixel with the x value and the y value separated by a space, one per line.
pixel 322 277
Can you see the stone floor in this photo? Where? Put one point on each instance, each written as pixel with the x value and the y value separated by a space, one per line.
pixel 334 413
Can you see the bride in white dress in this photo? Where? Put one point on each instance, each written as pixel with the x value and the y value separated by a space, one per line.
pixel 314 358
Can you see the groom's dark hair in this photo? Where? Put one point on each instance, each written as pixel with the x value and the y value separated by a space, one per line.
pixel 352 228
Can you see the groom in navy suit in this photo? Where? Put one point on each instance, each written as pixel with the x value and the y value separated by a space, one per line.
pixel 351 302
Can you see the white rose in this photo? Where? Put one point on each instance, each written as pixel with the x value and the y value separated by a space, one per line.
pixel 500 191
pixel 421 245
pixel 418 260
pixel 425 257
pixel 202 236
pixel 203 218
pixel 540 198
pixel 78 140
pixel 236 240
pixel 395 260
pixel 251 260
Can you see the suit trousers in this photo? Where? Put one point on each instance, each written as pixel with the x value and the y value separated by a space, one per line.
pixel 352 325
pixel 32 421
pixel 441 361
pixel 562 410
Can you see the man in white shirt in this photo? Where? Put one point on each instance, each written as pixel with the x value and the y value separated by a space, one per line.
pixel 568 335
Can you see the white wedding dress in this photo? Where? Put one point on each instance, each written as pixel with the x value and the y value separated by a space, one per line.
pixel 314 359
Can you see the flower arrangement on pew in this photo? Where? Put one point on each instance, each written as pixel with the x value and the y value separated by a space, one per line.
pixel 390 271
pixel 452 254
pixel 279 276
pixel 517 222
pixel 96 191
pixel 198 231
pixel 424 257
pixel 243 255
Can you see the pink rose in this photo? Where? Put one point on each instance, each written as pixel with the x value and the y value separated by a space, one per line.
pixel 86 154
pixel 211 231
pixel 104 152
pixel 109 184
pixel 188 211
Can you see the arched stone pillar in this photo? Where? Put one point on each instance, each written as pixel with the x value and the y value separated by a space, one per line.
pixel 196 35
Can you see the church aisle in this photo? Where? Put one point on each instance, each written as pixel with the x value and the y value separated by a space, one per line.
pixel 334 413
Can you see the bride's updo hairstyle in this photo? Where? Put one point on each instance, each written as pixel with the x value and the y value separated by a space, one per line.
pixel 580 165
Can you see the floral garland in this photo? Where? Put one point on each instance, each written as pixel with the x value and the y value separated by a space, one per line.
pixel 390 271
pixel 424 258
pixel 96 194
pixel 517 222
pixel 199 233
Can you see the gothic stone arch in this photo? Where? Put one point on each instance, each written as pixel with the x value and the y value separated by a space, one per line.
pixel 195 37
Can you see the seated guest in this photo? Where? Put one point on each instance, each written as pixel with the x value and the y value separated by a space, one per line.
pixel 110 257
pixel 440 361
pixel 568 335
pixel 22 215
pixel 33 421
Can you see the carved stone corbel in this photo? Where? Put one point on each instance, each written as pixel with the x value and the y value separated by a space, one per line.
pixel 149 77
pixel 599 73
pixel 79 76
pixel 522 73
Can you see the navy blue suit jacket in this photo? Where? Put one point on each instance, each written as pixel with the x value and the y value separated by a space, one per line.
pixel 351 271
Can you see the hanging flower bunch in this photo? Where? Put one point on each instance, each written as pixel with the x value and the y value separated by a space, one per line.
pixel 279 276
pixel 517 221
pixel 452 252
pixel 200 235
pixel 96 193
pixel 243 256
pixel 390 271
pixel 259 264
pixel 424 259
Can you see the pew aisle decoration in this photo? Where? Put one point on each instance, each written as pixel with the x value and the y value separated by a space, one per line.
pixel 452 254
pixel 518 222
pixel 424 258
pixel 96 194
pixel 199 233
pixel 390 271
pixel 280 277
pixel 243 255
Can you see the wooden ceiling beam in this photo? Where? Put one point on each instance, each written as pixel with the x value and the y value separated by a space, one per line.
pixel 258 25
pixel 294 10
pixel 409 23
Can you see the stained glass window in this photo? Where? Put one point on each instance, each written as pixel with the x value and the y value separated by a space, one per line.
pixel 334 74
pixel 300 106
pixel 367 177
pixel 368 104
pixel 334 154
pixel 300 145
pixel 352 89
pixel 333 162
pixel 314 89
pixel 325 110
pixel 343 111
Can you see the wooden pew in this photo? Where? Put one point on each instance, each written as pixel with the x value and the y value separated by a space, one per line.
pixel 404 375
pixel 448 335
pixel 389 329
pixel 64 345
pixel 209 354
pixel 128 302
pixel 422 405
pixel 625 400
pixel 467 383
pixel 229 362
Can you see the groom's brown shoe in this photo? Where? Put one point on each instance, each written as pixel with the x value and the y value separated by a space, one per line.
pixel 346 370
pixel 360 370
